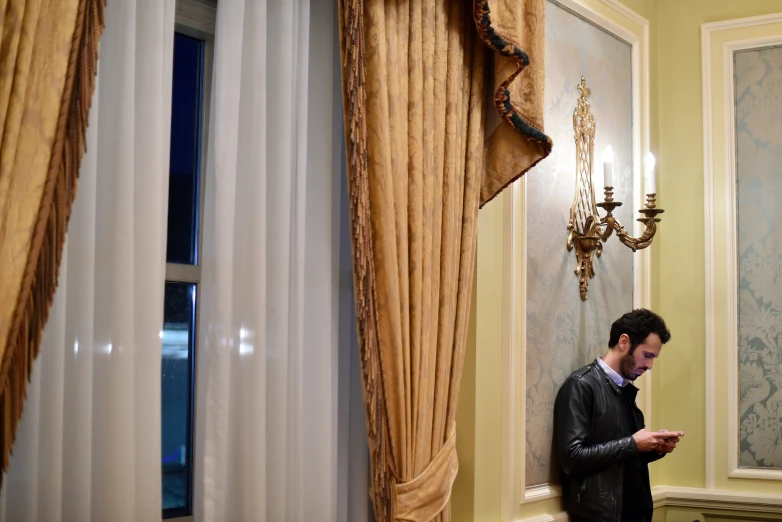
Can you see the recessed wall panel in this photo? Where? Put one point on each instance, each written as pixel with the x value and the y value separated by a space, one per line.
pixel 563 333
pixel 758 127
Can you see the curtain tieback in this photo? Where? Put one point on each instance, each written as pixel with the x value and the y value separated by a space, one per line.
pixel 424 497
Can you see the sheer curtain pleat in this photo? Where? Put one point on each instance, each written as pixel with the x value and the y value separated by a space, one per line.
pixel 277 343
pixel 89 443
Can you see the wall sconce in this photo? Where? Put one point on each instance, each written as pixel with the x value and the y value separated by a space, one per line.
pixel 587 229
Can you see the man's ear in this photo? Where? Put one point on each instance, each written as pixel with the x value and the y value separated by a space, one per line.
pixel 624 344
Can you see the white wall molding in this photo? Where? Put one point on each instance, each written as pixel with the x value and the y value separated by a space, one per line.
pixel 584 10
pixel 696 498
pixel 559 517
pixel 515 492
pixel 537 493
pixel 728 207
pixel 739 501
pixel 739 23
pixel 628 13
pixel 708 234
pixel 514 368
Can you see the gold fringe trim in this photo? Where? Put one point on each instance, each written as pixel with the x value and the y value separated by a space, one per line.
pixel 43 264
pixel 354 85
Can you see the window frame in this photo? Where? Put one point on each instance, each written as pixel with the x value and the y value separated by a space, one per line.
pixel 197 19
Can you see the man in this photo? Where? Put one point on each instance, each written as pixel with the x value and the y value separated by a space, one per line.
pixel 601 441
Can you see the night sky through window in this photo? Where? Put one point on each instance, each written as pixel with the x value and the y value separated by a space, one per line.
pixel 185 150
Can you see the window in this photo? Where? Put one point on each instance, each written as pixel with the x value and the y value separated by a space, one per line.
pixel 193 41
pixel 177 397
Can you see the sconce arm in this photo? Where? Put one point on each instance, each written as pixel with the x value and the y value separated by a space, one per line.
pixel 637 243
pixel 649 219
pixel 610 223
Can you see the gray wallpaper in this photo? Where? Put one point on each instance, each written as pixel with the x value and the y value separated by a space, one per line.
pixel 758 104
pixel 564 333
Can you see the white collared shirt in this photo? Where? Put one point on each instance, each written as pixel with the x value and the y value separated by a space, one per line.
pixel 618 379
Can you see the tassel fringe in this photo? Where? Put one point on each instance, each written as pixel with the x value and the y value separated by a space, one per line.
pixel 383 484
pixel 40 280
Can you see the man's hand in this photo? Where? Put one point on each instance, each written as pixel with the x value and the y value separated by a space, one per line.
pixel 662 441
pixel 667 446
pixel 669 440
pixel 647 441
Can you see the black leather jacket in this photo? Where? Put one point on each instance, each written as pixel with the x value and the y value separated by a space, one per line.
pixel 589 448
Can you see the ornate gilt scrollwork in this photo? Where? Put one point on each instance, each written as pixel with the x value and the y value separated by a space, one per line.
pixel 587 230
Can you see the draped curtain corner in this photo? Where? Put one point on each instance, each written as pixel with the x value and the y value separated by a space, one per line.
pixel 515 34
pixel 423 155
pixel 48 70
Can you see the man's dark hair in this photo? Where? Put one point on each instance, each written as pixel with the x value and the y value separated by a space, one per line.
pixel 638 324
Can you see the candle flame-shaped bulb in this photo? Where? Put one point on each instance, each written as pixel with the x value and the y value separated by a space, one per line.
pixel 608 167
pixel 608 154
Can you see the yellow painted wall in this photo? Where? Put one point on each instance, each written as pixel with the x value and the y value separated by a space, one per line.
pixel 678 288
pixel 476 492
pixel 679 389
pixel 463 498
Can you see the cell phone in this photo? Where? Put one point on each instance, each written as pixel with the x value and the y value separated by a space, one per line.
pixel 665 434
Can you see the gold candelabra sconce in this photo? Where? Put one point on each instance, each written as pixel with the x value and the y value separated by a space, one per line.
pixel 587 230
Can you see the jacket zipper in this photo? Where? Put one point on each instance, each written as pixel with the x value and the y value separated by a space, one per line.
pixel 583 488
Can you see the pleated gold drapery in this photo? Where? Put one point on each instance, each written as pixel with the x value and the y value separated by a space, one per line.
pixel 424 153
pixel 48 61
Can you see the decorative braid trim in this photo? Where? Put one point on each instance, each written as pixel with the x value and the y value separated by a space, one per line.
pixel 40 277
pixel 502 98
pixel 354 84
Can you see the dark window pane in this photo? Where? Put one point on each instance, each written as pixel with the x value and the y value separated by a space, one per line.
pixel 185 150
pixel 177 398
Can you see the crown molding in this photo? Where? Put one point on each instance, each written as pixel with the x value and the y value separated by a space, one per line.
pixel 738 23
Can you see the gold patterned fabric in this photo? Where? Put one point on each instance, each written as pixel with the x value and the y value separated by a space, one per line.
pixel 421 160
pixel 48 60
pixel 515 31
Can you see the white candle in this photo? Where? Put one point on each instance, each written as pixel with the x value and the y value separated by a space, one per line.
pixel 608 166
pixel 651 182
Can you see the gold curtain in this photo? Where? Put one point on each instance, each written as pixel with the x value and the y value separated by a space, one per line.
pixel 48 60
pixel 423 155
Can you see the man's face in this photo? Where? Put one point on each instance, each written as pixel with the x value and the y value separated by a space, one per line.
pixel 634 364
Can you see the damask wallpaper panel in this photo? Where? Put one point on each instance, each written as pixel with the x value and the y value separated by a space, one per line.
pixel 758 125
pixel 564 333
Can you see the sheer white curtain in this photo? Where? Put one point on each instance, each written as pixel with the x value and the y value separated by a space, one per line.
pixel 88 447
pixel 279 413
pixel 269 402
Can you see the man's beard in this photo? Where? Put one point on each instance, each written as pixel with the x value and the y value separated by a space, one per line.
pixel 627 367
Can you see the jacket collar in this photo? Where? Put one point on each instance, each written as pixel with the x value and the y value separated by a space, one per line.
pixel 604 376
pixel 630 387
